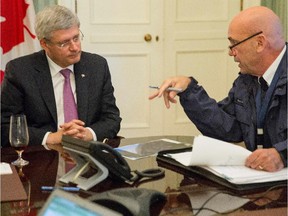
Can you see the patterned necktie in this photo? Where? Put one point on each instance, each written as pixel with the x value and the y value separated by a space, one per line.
pixel 70 108
pixel 264 86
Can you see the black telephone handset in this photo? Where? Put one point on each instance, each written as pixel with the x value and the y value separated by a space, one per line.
pixel 113 160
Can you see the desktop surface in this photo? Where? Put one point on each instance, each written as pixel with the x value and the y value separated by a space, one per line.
pixel 184 191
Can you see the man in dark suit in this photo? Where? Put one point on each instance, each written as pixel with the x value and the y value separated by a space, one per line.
pixel 33 85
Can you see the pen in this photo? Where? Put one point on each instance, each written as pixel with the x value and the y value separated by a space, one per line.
pixel 50 188
pixel 168 89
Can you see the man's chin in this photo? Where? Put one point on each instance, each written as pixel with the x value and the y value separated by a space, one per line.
pixel 243 72
pixel 75 58
pixel 247 72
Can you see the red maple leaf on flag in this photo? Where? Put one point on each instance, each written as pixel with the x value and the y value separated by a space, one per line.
pixel 12 27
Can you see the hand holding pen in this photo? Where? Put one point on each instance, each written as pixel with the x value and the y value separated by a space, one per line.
pixel 178 90
pixel 170 88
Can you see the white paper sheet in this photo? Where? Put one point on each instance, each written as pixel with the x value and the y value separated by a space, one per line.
pixel 225 160
pixel 208 151
pixel 5 168
pixel 242 174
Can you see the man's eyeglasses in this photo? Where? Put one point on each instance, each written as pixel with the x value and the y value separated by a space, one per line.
pixel 236 44
pixel 67 43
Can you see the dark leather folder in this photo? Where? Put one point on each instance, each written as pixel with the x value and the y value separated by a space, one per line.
pixel 165 161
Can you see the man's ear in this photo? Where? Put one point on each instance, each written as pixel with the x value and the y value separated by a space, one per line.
pixel 43 43
pixel 261 42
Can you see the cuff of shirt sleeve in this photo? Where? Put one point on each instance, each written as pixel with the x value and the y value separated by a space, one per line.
pixel 44 141
pixel 93 134
pixel 283 155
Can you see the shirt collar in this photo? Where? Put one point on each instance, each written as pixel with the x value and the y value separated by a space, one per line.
pixel 270 72
pixel 54 68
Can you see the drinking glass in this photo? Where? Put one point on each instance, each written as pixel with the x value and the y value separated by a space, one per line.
pixel 18 137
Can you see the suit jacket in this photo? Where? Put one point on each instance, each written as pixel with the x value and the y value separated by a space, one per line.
pixel 27 88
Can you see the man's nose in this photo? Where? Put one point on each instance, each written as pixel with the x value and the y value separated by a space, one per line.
pixel 73 45
pixel 231 52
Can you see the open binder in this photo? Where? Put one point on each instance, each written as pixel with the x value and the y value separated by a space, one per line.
pixel 164 160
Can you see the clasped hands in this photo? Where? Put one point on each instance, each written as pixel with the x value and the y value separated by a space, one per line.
pixel 75 128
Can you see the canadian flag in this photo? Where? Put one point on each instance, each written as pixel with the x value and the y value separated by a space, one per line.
pixel 18 36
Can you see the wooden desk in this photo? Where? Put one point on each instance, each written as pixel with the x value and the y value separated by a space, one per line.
pixel 43 167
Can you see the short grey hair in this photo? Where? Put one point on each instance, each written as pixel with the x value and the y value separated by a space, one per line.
pixel 53 18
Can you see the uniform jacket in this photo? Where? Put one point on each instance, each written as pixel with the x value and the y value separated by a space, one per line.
pixel 234 118
pixel 27 88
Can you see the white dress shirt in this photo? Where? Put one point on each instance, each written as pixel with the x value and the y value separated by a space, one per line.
pixel 58 84
pixel 270 72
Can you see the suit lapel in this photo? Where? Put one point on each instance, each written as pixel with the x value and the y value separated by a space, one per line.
pixel 82 87
pixel 281 86
pixel 44 82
